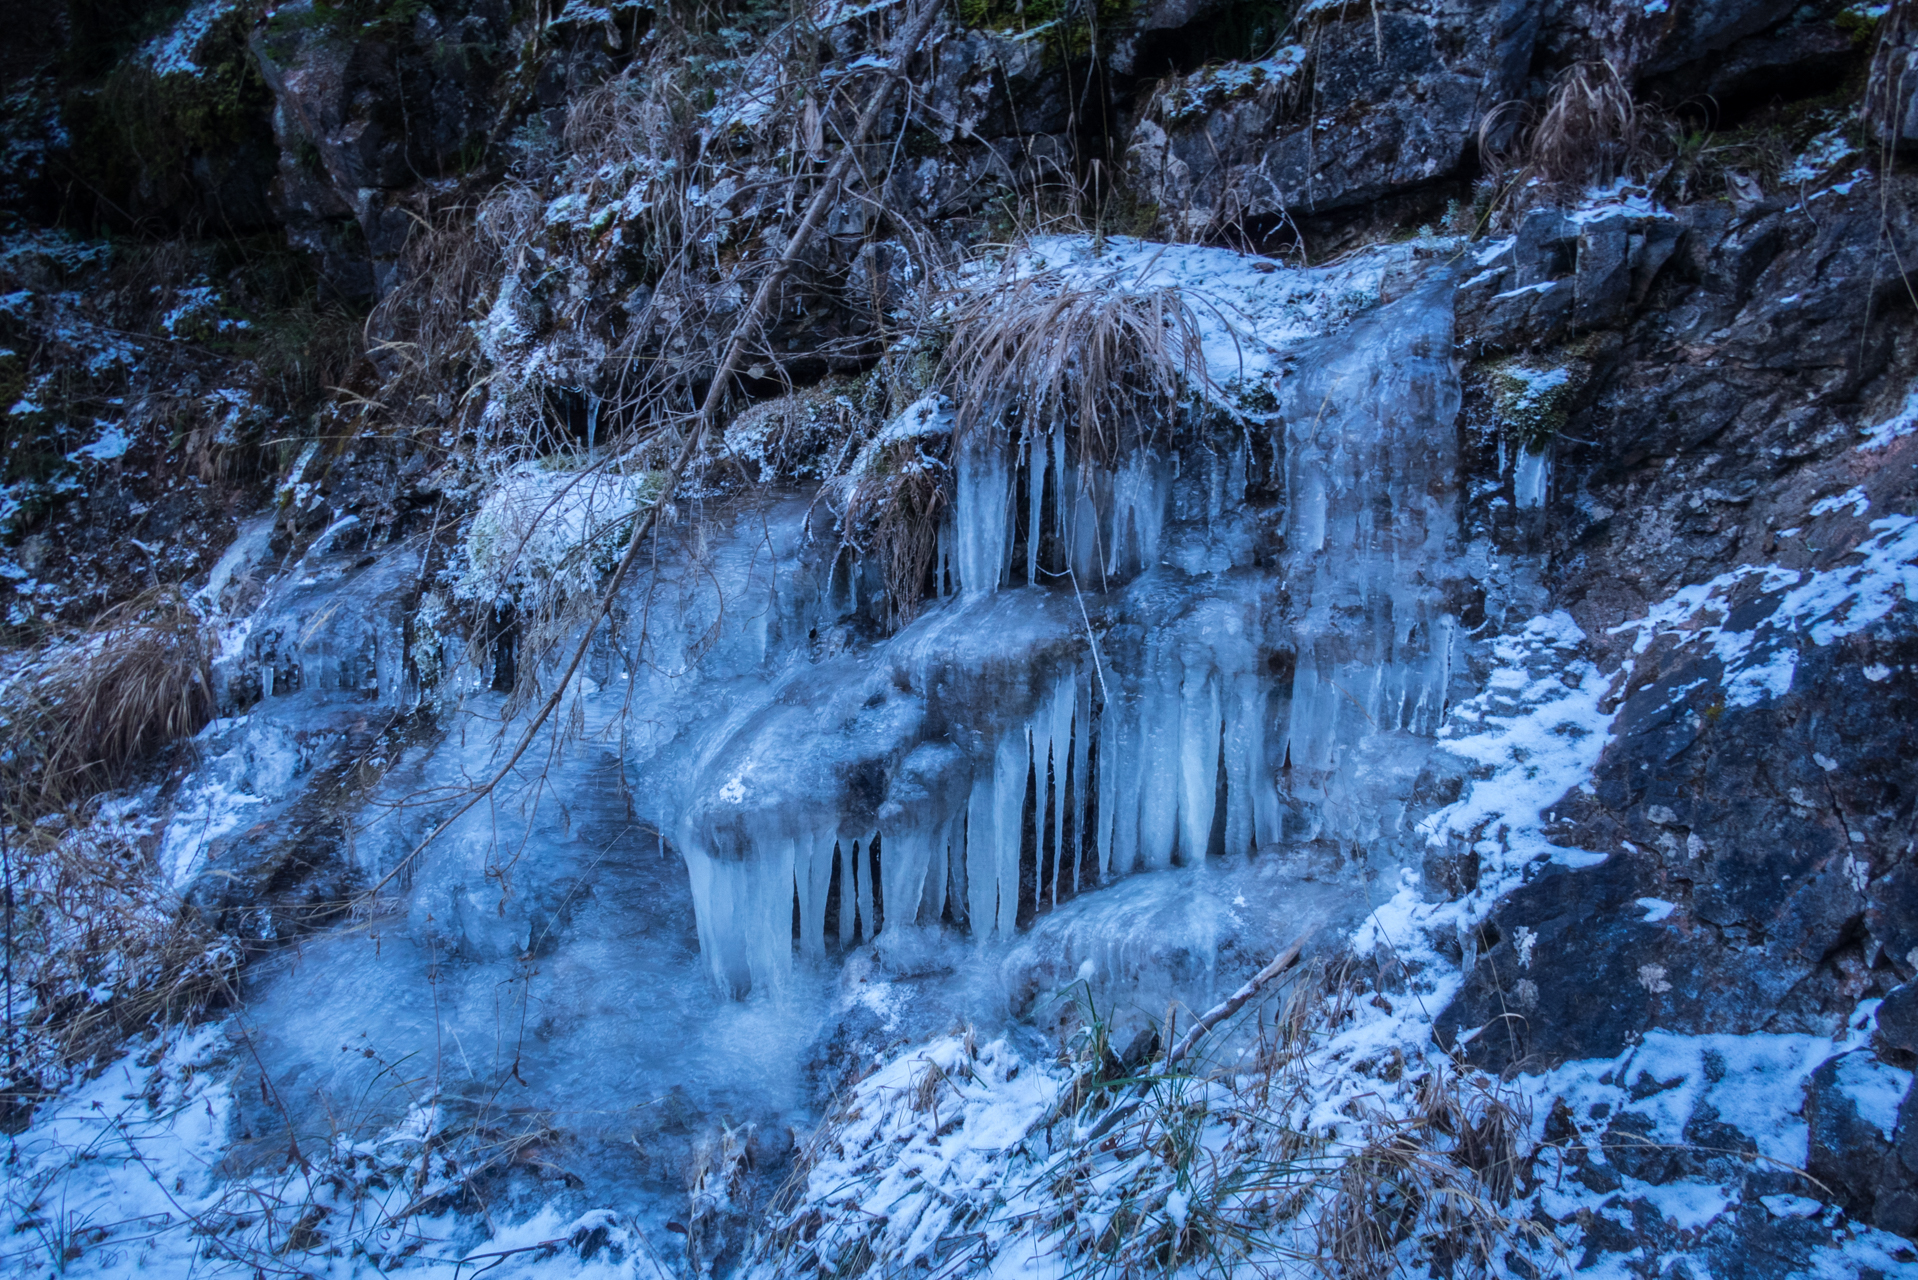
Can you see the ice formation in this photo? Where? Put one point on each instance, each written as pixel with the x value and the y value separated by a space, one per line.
pixel 1236 634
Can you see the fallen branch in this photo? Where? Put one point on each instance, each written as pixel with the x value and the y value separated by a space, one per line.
pixel 1236 1001
pixel 743 333
pixel 1208 1020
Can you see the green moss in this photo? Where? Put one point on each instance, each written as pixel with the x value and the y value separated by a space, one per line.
pixel 137 133
pixel 1858 22
pixel 1533 395
pixel 1068 26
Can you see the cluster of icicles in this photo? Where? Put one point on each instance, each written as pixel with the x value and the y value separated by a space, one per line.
pixel 1244 702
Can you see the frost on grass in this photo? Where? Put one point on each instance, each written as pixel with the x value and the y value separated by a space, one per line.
pixel 1304 1138
pixel 130 1174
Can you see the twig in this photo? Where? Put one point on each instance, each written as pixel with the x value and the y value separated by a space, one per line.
pixel 1208 1020
pixel 1236 1001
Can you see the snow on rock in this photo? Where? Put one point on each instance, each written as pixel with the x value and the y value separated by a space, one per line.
pixel 1896 427
pixel 548 523
pixel 1779 609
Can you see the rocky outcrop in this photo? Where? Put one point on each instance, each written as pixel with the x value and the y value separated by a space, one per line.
pixel 363 116
pixel 1387 105
pixel 1372 105
pixel 1773 818
pixel 1863 1145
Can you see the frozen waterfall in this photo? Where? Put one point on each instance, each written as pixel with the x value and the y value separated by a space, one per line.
pixel 1234 638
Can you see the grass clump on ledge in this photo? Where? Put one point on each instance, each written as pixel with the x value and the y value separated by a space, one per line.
pixel 100 706
pixel 1112 364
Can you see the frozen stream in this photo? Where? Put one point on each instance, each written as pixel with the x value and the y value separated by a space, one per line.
pixel 1157 714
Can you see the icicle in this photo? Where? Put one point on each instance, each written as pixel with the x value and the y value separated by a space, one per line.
pixel 862 861
pixel 958 838
pixel 1251 802
pixel 1156 770
pixel 848 894
pixel 1200 723
pixel 1059 487
pixel 743 908
pixel 982 859
pixel 932 894
pixel 1529 477
pixel 1140 492
pixel 1111 733
pixel 1009 768
pixel 812 873
pixel 1064 699
pixel 1081 785
pixel 1039 736
pixel 983 483
pixel 1087 543
pixel 1035 503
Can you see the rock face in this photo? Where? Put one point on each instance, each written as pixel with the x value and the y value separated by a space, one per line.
pixel 1775 818
pixel 1363 107
pixel 360 121
pixel 1891 95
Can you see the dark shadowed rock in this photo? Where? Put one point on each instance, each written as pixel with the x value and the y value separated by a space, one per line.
pixel 1891 93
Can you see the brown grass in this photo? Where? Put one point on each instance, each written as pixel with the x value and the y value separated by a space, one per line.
pixel 1112 364
pixel 1591 132
pixel 893 512
pixel 138 679
pixel 1441 1173
pixel 420 334
pixel 98 950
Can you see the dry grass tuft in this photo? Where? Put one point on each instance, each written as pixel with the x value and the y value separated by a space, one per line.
pixel 138 679
pixel 1113 364
pixel 422 331
pixel 1591 132
pixel 97 949
pixel 1439 1176
pixel 893 512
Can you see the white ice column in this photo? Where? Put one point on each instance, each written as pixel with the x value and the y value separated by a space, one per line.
pixel 812 882
pixel 980 533
pixel 744 912
pixel 1371 534
pixel 1200 724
